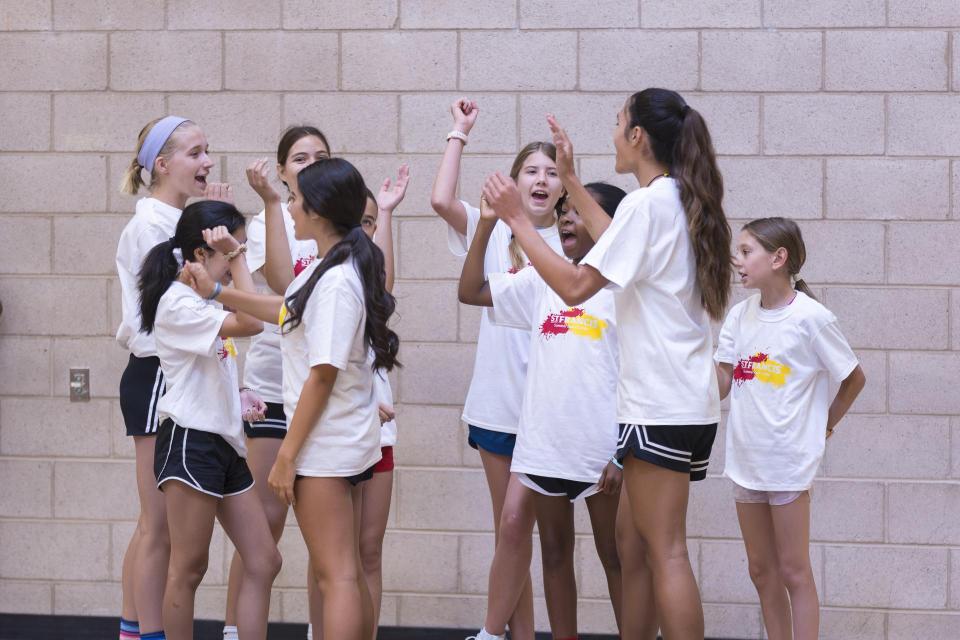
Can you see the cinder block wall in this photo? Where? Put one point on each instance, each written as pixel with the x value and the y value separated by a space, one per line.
pixel 841 114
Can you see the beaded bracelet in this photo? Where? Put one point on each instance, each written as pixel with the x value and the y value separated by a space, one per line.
pixel 242 249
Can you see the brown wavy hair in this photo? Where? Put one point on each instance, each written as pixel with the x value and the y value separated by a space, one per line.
pixel 680 139
pixel 517 259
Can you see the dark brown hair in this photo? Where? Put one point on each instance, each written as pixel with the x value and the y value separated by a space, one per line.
pixel 679 139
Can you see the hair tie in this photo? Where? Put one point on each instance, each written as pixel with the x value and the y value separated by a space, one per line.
pixel 684 110
pixel 156 138
pixel 172 240
pixel 178 256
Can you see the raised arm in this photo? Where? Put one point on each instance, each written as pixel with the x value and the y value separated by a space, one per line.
pixel 278 265
pixel 387 200
pixel 595 219
pixel 263 307
pixel 474 288
pixel 443 198
pixel 573 283
pixel 239 323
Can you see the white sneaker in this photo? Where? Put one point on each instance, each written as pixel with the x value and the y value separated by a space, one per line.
pixel 483 634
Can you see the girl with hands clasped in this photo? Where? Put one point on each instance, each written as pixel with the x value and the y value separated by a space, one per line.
pixel 567 432
pixel 334 321
pixel 666 256
pixel 777 354
pixel 174 152
pixel 299 147
pixel 200 456
pixel 492 407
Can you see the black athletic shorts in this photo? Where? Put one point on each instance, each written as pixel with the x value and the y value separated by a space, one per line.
pixel 141 386
pixel 684 448
pixel 273 425
pixel 199 459
pixel 548 486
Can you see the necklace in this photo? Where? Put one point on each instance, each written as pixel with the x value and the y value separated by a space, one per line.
pixel 665 174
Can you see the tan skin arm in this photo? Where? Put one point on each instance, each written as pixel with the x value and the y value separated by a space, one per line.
pixel 237 324
pixel 313 400
pixel 389 197
pixel 574 283
pixel 443 198
pixel 277 267
pixel 474 289
pixel 724 378
pixel 850 388
pixel 263 307
pixel 595 219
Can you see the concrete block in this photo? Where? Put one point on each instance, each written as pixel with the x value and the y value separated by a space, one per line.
pixel 886 61
pixel 515 61
pixel 889 447
pixel 49 427
pixel 823 124
pixel 791 60
pixel 260 60
pixel 381 61
pixel 53 61
pixel 608 59
pixel 24 121
pixel 881 188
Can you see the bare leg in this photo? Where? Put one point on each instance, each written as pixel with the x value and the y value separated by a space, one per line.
pixel 246 524
pixel 153 546
pixel 555 517
pixel 128 601
pixel 639 620
pixel 791 527
pixel 314 603
pixel 377 492
pixel 328 510
pixel 603 520
pixel 756 525
pixel 658 500
pixel 261 454
pixel 496 468
pixel 510 570
pixel 192 514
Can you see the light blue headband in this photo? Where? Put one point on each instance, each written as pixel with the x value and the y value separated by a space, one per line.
pixel 157 137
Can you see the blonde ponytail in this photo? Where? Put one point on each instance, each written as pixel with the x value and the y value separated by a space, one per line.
pixel 132 178
pixel 517 260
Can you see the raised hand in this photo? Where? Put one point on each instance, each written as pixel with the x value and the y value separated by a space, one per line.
pixel 222 191
pixel 502 195
pixel 219 239
pixel 391 195
pixel 258 175
pixel 196 277
pixel 486 211
pixel 464 114
pixel 564 147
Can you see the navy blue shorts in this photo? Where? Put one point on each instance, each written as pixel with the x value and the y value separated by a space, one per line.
pixel 684 448
pixel 493 441
pixel 273 425
pixel 141 386
pixel 558 487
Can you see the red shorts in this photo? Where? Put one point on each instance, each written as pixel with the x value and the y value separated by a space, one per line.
pixel 386 461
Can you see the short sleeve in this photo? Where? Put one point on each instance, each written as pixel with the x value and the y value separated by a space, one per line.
pixel 332 317
pixel 256 243
pixel 457 242
pixel 726 343
pixel 516 297
pixel 149 237
pixel 834 352
pixel 191 325
pixel 620 254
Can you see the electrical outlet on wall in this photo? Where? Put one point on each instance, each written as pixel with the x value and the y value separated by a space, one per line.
pixel 79 385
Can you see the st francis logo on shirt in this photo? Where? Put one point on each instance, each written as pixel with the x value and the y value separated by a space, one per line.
pixel 575 321
pixel 227 348
pixel 762 368
pixel 302 263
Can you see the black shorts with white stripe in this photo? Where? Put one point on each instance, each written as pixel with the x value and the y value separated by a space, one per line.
pixel 273 425
pixel 141 386
pixel 684 448
pixel 201 460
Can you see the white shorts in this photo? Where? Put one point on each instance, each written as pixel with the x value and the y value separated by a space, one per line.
pixel 772 498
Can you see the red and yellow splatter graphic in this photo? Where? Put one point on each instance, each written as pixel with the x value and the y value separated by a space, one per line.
pixel 227 348
pixel 761 367
pixel 302 263
pixel 575 321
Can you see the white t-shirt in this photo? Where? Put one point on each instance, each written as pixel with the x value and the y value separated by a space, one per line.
pixel 154 222
pixel 500 368
pixel 384 395
pixel 783 362
pixel 568 422
pixel 200 368
pixel 262 369
pixel 666 346
pixel 345 440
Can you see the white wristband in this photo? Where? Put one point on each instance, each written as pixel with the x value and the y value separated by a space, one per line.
pixel 459 135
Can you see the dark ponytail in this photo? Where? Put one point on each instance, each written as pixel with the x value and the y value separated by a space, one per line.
pixel 333 189
pixel 161 266
pixel 679 138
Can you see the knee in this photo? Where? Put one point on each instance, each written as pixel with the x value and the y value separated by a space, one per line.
pixel 264 565
pixel 555 550
pixel 609 558
pixel 371 553
pixel 796 575
pixel 188 572
pixel 154 532
pixel 763 572
pixel 666 554
pixel 514 529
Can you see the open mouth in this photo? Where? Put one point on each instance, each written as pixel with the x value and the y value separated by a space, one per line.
pixel 201 180
pixel 567 237
pixel 540 196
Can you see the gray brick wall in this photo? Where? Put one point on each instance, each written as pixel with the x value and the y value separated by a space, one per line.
pixel 844 115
